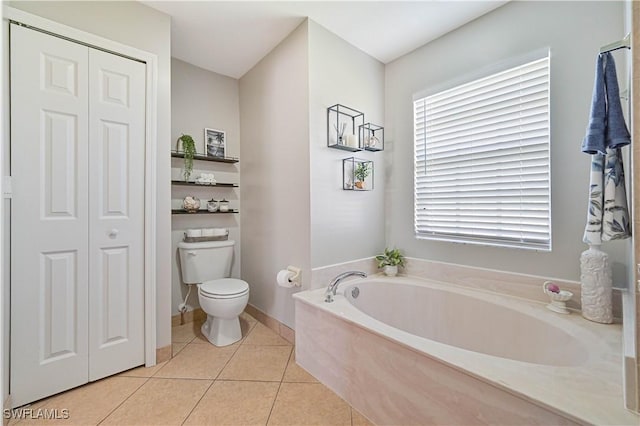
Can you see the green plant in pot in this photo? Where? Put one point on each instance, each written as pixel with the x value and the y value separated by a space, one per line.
pixel 360 173
pixel 390 260
pixel 189 149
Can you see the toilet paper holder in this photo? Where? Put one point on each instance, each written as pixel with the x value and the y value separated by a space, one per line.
pixel 295 278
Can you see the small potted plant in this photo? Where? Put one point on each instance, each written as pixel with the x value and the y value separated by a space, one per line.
pixel 389 261
pixel 189 149
pixel 361 172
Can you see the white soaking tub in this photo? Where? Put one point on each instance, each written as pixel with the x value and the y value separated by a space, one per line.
pixel 410 351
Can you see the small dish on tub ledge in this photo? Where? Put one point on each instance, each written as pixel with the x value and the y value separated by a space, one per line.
pixel 558 297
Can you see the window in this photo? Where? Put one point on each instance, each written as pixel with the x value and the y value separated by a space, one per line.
pixel 482 160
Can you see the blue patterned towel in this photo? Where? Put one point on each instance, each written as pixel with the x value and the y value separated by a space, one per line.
pixel 617 134
pixel 608 214
pixel 594 141
pixel 606 128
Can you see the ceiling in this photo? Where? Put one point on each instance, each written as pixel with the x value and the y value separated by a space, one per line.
pixel 230 37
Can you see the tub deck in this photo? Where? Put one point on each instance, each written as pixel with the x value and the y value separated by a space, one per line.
pixel 394 377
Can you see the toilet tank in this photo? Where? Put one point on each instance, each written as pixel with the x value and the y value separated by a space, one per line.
pixel 205 261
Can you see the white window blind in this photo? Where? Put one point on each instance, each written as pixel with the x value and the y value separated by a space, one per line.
pixel 482 170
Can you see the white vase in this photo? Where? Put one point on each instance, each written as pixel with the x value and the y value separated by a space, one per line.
pixel 596 286
pixel 390 271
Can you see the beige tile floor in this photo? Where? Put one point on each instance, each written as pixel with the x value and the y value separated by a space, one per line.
pixel 253 382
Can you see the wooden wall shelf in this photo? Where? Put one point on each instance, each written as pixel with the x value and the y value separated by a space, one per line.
pixel 182 211
pixel 215 185
pixel 206 157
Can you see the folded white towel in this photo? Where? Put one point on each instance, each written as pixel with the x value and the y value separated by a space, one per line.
pixel 206 178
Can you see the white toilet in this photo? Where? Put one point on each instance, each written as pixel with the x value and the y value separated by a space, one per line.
pixel 208 264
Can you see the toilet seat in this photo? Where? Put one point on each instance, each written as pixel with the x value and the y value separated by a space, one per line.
pixel 225 288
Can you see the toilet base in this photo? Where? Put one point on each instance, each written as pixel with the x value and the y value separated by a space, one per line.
pixel 222 331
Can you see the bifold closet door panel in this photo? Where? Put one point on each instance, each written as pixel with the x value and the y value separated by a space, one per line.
pixel 49 215
pixel 116 213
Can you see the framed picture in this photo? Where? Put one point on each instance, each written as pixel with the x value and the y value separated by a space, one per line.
pixel 215 142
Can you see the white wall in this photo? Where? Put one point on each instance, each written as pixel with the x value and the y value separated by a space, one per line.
pixel 5 272
pixel 574 31
pixel 274 152
pixel 203 99
pixel 139 26
pixel 345 225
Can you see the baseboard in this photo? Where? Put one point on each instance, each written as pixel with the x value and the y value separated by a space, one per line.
pixel 285 332
pixel 163 354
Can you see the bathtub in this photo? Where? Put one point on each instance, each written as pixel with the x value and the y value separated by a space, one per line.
pixel 410 351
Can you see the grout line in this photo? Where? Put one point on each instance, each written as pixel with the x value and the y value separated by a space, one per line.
pixel 274 403
pixel 179 350
pixel 196 404
pixel 271 346
pixel 249 380
pixel 279 386
pixel 291 354
pixel 192 343
pixel 286 365
pixel 249 331
pixel 215 379
pixel 186 343
pixel 228 361
pixel 204 379
pixel 165 363
pixel 125 400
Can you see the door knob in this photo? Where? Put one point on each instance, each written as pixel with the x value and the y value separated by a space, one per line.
pixel 113 233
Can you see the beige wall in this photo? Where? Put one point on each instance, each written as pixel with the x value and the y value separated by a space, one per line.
pixel 574 31
pixel 294 209
pixel 203 99
pixel 274 124
pixel 139 26
pixel 345 225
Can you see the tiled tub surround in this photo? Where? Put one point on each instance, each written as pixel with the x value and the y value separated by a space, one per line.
pixel 486 280
pixel 546 368
pixel 322 276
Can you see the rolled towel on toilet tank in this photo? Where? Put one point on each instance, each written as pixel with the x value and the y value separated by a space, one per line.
pixel 219 232
pixel 191 233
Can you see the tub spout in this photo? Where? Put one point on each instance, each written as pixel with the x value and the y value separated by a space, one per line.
pixel 331 290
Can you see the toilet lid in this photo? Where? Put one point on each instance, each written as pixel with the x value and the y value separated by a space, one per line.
pixel 224 287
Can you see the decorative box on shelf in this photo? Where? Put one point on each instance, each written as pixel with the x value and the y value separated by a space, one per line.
pixel 357 174
pixel 371 137
pixel 342 127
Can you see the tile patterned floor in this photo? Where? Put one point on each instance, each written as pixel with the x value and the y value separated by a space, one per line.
pixel 253 382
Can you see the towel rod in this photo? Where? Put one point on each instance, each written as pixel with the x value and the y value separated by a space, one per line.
pixel 625 43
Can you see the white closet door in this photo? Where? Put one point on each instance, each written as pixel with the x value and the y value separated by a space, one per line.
pixel 116 213
pixel 49 214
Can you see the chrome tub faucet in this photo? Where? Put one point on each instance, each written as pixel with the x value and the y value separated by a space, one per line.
pixel 331 290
